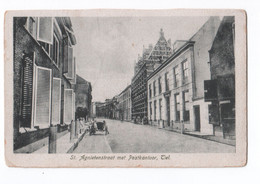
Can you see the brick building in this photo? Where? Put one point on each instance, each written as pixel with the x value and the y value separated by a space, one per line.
pixel 220 90
pixel 176 88
pixel 44 72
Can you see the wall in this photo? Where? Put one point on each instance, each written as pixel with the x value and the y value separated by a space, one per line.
pixel 186 54
pixel 24 42
pixel 203 42
pixel 222 60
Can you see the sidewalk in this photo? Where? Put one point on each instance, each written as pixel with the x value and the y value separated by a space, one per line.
pixel 64 145
pixel 212 138
pixel 218 139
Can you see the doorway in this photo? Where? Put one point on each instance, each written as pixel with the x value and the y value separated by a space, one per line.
pixel 168 116
pixel 197 117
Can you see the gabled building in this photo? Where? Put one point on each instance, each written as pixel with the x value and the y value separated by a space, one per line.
pixel 152 58
pixel 162 49
pixel 44 72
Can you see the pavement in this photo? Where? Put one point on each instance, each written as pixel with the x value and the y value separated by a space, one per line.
pixel 126 137
pixel 64 144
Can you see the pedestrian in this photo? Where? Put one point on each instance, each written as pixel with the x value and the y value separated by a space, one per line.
pixel 105 127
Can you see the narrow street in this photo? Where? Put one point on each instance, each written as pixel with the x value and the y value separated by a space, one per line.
pixel 126 137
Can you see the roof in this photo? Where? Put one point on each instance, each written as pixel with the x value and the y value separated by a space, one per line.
pixel 171 58
pixel 66 28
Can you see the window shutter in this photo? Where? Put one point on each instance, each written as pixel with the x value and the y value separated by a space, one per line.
pixel 42 97
pixel 65 55
pixel 74 72
pixel 70 63
pixel 27 90
pixel 68 108
pixel 56 101
pixel 45 30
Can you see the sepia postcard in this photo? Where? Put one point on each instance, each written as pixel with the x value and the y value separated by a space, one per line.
pixel 126 88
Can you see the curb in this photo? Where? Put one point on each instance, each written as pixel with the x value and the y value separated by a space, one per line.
pixel 198 136
pixel 75 145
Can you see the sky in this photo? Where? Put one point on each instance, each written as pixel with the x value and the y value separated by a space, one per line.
pixel 107 47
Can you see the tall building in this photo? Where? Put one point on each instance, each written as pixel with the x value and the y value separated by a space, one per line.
pixel 220 90
pixel 176 88
pixel 44 72
pixel 152 58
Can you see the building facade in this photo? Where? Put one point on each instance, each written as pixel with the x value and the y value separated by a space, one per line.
pixel 94 106
pixel 220 90
pixel 152 58
pixel 83 93
pixel 44 72
pixel 124 104
pixel 176 88
pixel 108 109
pixel 139 92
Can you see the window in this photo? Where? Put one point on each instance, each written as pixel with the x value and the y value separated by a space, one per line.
pixel 155 109
pixel 31 26
pixel 68 59
pixel 159 85
pixel 56 101
pixel 166 82
pixel 151 110
pixel 45 30
pixel 177 107
pixel 160 109
pixel 185 71
pixel 176 76
pixel 154 88
pixel 186 113
pixel 55 50
pixel 68 62
pixel 42 97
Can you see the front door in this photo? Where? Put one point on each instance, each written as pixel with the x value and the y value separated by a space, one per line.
pixel 168 110
pixel 197 117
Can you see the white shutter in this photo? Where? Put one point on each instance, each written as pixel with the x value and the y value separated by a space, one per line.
pixel 70 63
pixel 68 108
pixel 74 80
pixel 45 30
pixel 56 101
pixel 42 97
